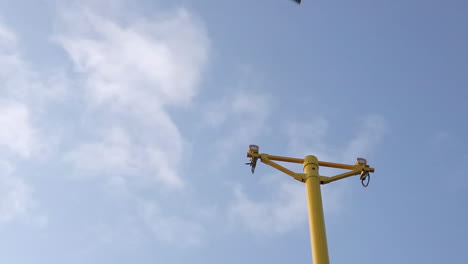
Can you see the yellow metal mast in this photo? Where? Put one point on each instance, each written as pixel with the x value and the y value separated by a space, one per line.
pixel 313 180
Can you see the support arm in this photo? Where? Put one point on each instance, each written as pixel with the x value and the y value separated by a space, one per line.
pixel 356 170
pixel 265 159
pixel 321 163
pixel 268 159
pixel 342 176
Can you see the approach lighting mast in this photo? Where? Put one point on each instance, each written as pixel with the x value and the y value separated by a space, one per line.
pixel 313 180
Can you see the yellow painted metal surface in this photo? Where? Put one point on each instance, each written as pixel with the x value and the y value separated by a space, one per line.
pixel 336 165
pixel 342 176
pixel 296 176
pixel 286 159
pixel 300 161
pixel 318 237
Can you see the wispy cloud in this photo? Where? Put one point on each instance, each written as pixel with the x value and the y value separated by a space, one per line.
pixel 15 195
pixel 240 117
pixel 110 155
pixel 247 113
pixel 141 65
pixel 305 138
pixel 16 198
pixel 17 133
pixel 8 40
pixel 23 82
pixel 20 139
pixel 371 130
pixel 118 157
pixel 282 213
pixel 135 70
pixel 171 228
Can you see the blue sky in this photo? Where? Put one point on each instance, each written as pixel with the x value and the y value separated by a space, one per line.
pixel 124 128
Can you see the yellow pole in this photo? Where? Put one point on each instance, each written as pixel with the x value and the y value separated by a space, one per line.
pixel 318 237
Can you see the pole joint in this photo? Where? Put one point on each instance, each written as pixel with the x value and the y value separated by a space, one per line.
pixel 311 166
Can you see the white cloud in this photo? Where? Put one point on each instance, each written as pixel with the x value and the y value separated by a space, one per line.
pixel 112 154
pixel 25 93
pixel 132 72
pixel 117 156
pixel 165 168
pixel 22 91
pixel 8 39
pixel 17 133
pixel 240 116
pixel 16 200
pixel 372 129
pixel 21 81
pixel 171 229
pixel 306 137
pixel 314 142
pixel 143 64
pixel 247 112
pixel 135 70
pixel 285 211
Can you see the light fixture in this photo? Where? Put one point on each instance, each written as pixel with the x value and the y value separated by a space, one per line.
pixel 361 161
pixel 253 148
